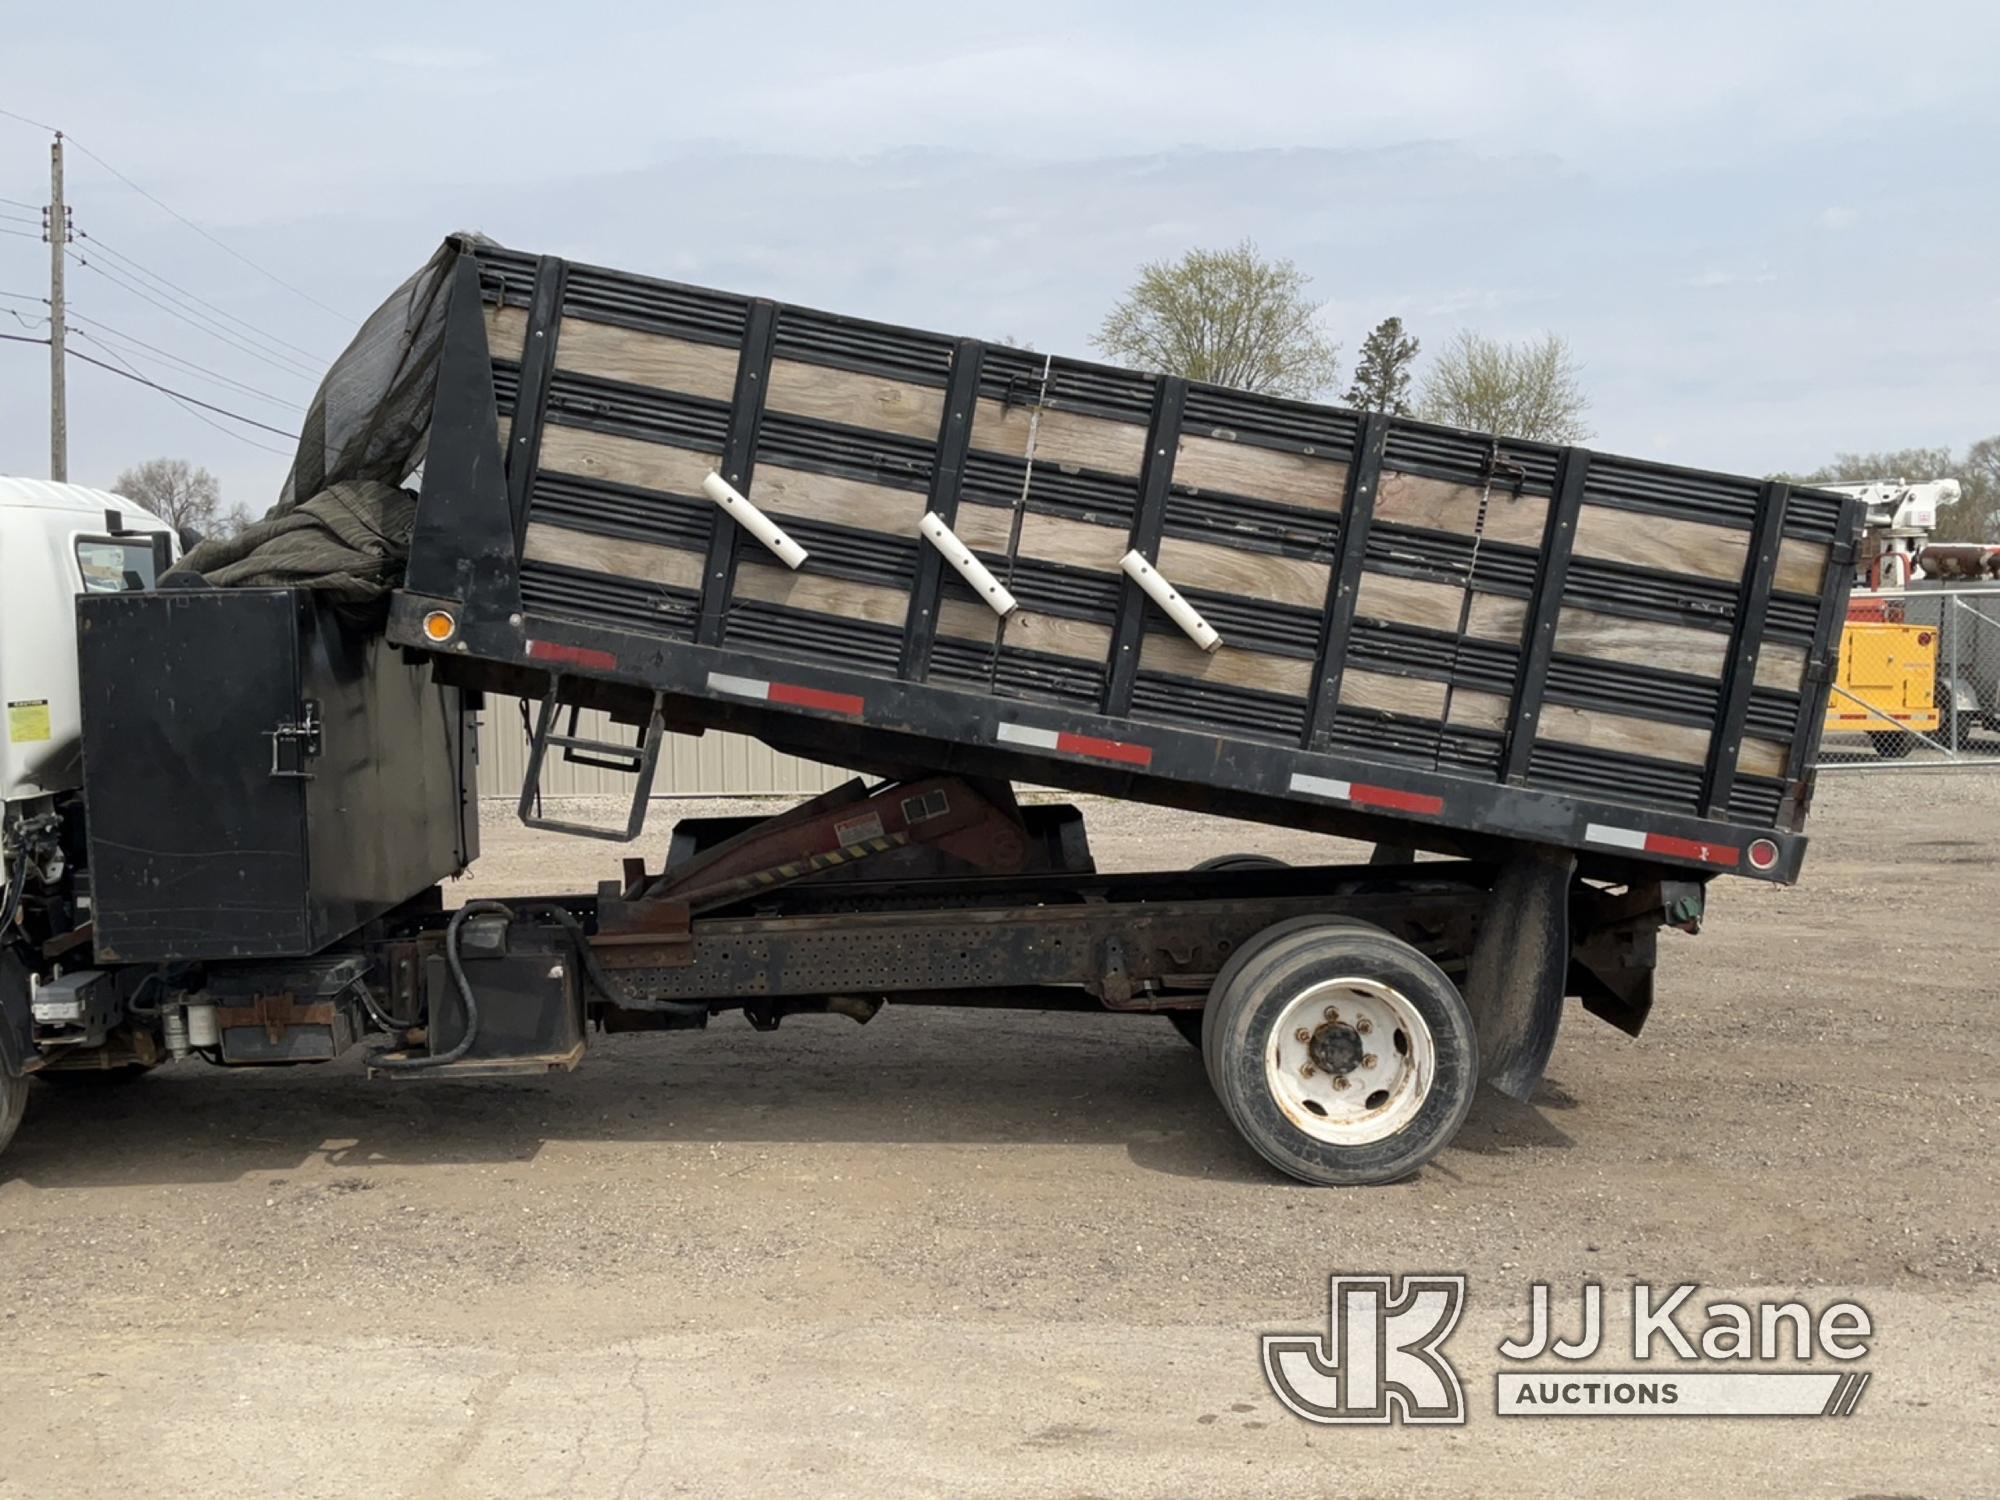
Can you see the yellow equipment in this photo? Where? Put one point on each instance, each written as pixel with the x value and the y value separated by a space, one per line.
pixel 1887 683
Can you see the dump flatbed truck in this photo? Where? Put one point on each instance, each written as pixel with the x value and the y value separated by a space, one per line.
pixel 1558 691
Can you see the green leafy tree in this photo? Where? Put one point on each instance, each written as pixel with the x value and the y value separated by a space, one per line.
pixel 1382 376
pixel 1228 317
pixel 1531 390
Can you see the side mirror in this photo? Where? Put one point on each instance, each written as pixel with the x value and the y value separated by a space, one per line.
pixel 189 539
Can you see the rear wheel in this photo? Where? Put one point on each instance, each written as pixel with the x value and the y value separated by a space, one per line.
pixel 1892 744
pixel 1342 1054
pixel 13 1104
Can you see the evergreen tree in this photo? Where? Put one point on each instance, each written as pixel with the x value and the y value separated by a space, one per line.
pixel 1382 378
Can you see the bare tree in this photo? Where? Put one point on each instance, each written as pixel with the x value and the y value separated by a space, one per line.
pixel 1382 376
pixel 1532 390
pixel 1976 517
pixel 1228 317
pixel 185 497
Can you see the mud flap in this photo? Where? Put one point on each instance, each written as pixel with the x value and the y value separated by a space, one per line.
pixel 1514 984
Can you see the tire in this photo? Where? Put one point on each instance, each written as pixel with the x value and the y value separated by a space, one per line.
pixel 1892 744
pixel 1351 987
pixel 1241 862
pixel 13 1104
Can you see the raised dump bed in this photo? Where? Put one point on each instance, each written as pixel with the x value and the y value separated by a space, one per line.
pixel 1477 638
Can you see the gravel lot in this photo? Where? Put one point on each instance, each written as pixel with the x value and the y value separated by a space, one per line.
pixel 1008 1255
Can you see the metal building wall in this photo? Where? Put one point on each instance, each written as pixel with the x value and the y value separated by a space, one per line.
pixel 713 765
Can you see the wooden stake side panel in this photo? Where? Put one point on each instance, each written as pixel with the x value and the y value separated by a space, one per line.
pixel 1249 532
pixel 846 451
pixel 845 457
pixel 1648 613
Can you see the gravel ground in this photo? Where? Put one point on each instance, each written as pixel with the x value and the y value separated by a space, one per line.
pixel 1002 1254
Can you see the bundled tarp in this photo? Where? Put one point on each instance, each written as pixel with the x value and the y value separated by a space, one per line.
pixel 342 523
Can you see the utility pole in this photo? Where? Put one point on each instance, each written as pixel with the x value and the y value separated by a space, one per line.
pixel 58 237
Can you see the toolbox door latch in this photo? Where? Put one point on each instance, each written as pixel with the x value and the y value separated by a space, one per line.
pixel 294 742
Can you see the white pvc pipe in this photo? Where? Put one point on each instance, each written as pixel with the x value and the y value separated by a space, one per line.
pixel 978 577
pixel 1162 593
pixel 752 520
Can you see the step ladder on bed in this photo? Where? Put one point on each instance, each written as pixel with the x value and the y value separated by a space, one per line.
pixel 638 760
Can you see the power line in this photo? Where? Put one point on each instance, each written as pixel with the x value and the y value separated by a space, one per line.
pixel 119 255
pixel 204 420
pixel 131 374
pixel 185 400
pixel 22 233
pixel 26 121
pixel 283 363
pixel 17 203
pixel 101 331
pixel 180 398
pixel 172 212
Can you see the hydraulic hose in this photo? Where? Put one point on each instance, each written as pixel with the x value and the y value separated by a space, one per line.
pixel 383 1060
pixel 380 1016
pixel 594 972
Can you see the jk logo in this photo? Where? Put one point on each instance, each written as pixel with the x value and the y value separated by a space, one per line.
pixel 1380 1359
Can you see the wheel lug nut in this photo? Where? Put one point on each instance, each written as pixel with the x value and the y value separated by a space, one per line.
pixel 1364 1025
pixel 1368 1061
pixel 1302 1035
pixel 1340 1083
pixel 1307 1071
pixel 1332 1014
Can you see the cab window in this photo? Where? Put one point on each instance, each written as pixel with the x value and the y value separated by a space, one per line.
pixel 116 565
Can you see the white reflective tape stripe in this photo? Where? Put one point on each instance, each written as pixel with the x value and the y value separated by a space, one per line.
pixel 738 687
pixel 1027 734
pixel 1621 838
pixel 1322 786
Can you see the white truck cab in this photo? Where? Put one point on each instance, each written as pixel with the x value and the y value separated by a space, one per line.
pixel 58 541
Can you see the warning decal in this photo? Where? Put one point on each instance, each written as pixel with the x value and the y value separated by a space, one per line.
pixel 27 721
pixel 858 830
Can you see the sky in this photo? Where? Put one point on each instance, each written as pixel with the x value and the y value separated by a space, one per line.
pixel 1768 233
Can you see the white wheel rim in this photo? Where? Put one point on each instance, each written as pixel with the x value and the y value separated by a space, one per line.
pixel 1350 1061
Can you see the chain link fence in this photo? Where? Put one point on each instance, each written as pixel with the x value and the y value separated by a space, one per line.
pixel 1918 684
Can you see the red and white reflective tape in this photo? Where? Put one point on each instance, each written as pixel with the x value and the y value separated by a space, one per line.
pixel 1360 794
pixel 1640 841
pixel 1065 743
pixel 788 693
pixel 572 656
